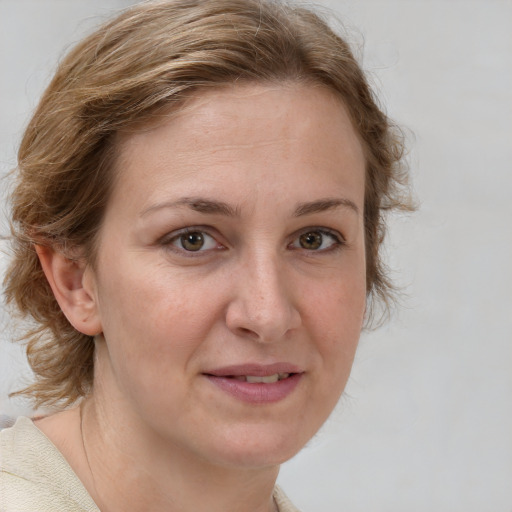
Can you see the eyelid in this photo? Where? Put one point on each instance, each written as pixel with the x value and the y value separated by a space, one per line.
pixel 168 239
pixel 339 239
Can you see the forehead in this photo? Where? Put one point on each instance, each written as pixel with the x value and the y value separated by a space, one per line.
pixel 211 107
pixel 262 127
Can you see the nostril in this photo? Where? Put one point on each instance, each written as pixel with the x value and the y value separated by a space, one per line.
pixel 249 317
pixel 247 332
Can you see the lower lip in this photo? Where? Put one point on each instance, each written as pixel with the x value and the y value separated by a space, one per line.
pixel 257 392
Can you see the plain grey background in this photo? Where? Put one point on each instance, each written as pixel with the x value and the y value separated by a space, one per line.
pixel 426 421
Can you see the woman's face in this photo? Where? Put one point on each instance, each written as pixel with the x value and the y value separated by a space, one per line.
pixel 230 279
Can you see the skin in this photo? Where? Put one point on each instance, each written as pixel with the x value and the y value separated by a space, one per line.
pixel 156 434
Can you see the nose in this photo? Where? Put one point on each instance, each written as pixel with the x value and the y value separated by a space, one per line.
pixel 262 305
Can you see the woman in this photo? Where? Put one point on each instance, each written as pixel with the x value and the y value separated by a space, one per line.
pixel 197 222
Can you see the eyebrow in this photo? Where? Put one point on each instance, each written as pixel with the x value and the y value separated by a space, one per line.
pixel 323 205
pixel 204 205
pixel 198 204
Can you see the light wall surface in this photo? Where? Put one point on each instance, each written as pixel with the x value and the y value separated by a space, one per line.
pixel 426 420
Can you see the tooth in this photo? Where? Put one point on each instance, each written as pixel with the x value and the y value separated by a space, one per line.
pixel 269 379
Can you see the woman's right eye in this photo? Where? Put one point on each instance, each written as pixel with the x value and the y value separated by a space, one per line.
pixel 193 241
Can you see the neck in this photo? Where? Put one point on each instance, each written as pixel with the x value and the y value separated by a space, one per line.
pixel 128 470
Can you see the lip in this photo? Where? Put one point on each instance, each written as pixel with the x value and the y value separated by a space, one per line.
pixel 258 370
pixel 256 393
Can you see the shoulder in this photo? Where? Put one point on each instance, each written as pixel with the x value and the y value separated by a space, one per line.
pixel 35 476
pixel 282 501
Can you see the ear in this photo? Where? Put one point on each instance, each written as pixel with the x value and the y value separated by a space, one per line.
pixel 72 283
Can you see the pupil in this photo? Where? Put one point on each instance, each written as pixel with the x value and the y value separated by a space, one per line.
pixel 311 240
pixel 192 241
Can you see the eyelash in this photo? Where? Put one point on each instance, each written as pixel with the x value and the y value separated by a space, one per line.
pixel 169 241
pixel 338 241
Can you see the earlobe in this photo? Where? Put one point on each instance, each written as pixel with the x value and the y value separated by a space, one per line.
pixel 72 289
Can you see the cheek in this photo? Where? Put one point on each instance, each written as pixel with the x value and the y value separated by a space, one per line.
pixel 337 311
pixel 339 304
pixel 146 339
pixel 153 316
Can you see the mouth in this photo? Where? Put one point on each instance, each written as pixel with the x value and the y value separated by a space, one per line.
pixel 256 373
pixel 257 383
pixel 253 379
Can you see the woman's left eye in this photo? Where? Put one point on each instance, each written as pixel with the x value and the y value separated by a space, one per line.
pixel 316 240
pixel 194 241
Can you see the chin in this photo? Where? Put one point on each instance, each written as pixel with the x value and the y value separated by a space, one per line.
pixel 259 447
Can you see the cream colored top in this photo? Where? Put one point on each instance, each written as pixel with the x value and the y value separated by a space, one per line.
pixel 35 477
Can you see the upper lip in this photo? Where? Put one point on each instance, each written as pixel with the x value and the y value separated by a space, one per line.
pixel 254 369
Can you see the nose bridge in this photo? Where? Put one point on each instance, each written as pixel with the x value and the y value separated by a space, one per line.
pixel 263 306
pixel 267 282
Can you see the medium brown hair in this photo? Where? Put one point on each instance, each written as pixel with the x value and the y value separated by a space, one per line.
pixel 146 61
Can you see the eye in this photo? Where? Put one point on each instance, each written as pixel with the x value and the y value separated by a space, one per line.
pixel 193 241
pixel 317 240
